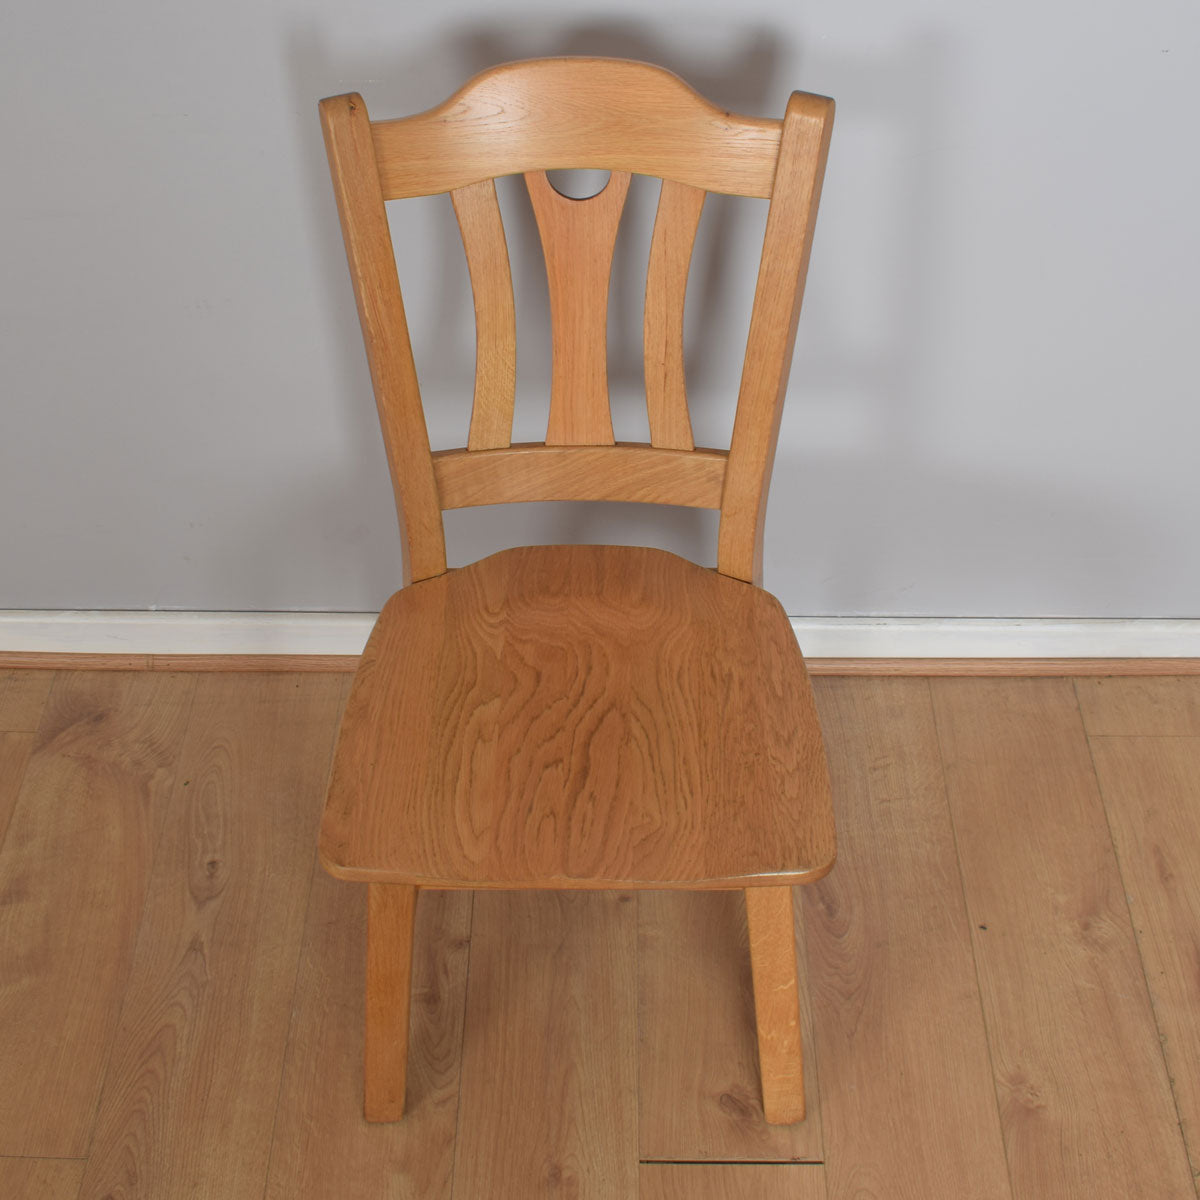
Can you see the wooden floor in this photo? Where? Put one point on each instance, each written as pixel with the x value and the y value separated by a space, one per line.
pixel 1002 984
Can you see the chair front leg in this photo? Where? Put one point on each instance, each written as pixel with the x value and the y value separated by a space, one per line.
pixel 776 1002
pixel 391 908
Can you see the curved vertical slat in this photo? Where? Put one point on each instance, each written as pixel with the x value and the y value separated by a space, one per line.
pixel 675 227
pixel 777 297
pixel 482 229
pixel 385 332
pixel 578 237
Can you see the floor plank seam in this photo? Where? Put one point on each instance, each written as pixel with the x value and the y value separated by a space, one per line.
pixel 1157 736
pixel 300 946
pixel 40 1158
pixel 172 803
pixel 283 1062
pixel 1193 1164
pixel 637 1000
pixel 731 1162
pixel 18 784
pixel 971 931
pixel 462 1033
pixel 810 1061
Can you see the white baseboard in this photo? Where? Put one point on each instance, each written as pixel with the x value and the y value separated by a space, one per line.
pixel 995 637
pixel 63 632
pixel 69 632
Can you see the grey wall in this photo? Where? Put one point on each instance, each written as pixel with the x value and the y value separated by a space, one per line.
pixel 994 405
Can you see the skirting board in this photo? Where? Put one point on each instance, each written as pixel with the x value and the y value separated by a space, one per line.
pixel 136 634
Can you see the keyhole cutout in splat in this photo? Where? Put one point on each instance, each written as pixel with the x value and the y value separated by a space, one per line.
pixel 579 183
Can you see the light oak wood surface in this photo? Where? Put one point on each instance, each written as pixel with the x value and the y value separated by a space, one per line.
pixel 907 1100
pixel 550 115
pixel 532 117
pixel 372 261
pixel 574 716
pixel 41 1178
pixel 479 222
pixel 855 667
pixel 549 1099
pixel 1158 707
pixel 22 698
pixel 1150 785
pixel 675 224
pixel 321 1144
pixel 1080 1078
pixel 1015 667
pixel 74 871
pixel 776 1003
pixel 391 911
pixel 627 472
pixel 197 1060
pixel 895 1092
pixel 807 127
pixel 579 717
pixel 724 1181
pixel 15 749
pixel 699 1075
pixel 578 239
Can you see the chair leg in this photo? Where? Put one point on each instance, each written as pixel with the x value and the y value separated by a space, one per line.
pixel 776 1002
pixel 391 908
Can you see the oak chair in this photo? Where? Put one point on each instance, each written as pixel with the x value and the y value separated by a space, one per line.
pixel 579 716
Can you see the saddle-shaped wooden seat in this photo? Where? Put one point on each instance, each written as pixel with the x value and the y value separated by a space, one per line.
pixel 580 716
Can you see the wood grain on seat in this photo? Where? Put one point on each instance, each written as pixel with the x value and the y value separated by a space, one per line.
pixel 580 716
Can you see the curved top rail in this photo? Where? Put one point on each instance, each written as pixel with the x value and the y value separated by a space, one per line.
pixel 556 113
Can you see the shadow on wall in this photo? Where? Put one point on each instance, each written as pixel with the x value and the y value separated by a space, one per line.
pixel 395 82
pixel 857 463
pixel 868 500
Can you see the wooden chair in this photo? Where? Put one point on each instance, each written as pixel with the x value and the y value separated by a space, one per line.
pixel 580 716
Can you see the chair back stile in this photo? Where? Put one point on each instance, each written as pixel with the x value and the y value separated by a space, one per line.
pixel 368 241
pixel 530 118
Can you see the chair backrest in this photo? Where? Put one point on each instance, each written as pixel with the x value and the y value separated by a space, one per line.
pixel 549 114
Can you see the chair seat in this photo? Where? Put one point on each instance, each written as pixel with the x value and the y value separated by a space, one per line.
pixel 580 716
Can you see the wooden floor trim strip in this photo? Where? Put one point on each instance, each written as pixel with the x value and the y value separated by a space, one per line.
pixel 1004 666
pixel 36 660
pixel 1017 667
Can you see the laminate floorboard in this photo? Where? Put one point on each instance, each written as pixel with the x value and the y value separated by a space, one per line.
pixel 1151 791
pixel 322 1146
pixel 40 1178
pixel 1168 706
pixel 22 698
pixel 190 1094
pixel 181 985
pixel 1082 1088
pixel 74 870
pixel 698 1080
pixel 726 1181
pixel 15 749
pixel 906 1087
pixel 548 1106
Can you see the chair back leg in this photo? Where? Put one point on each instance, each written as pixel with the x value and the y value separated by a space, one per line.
pixel 776 1002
